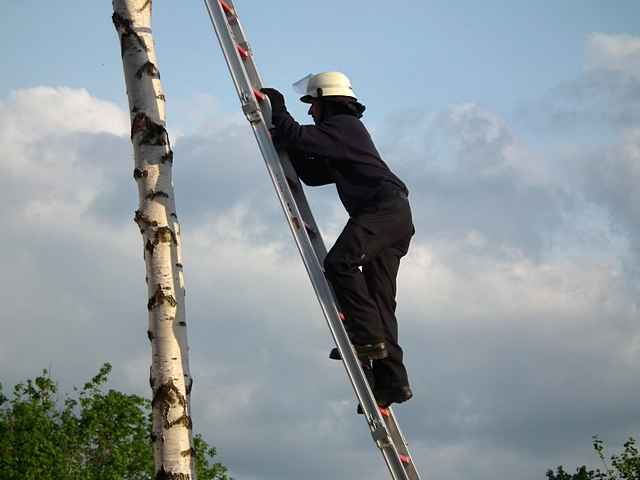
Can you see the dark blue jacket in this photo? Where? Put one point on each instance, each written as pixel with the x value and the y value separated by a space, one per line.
pixel 338 150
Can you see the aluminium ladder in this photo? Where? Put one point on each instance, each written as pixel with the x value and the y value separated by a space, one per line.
pixel 255 105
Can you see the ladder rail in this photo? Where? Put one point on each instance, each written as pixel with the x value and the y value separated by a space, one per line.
pixel 257 108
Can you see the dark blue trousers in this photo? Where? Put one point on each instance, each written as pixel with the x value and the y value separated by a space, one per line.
pixel 362 267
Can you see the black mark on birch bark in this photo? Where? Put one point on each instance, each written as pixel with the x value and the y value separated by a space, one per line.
pixel 148 2
pixel 152 133
pixel 184 420
pixel 161 235
pixel 143 221
pixel 164 475
pixel 158 298
pixel 126 32
pixel 153 194
pixel 138 173
pixel 188 453
pixel 165 235
pixel 165 397
pixel 149 247
pixel 150 69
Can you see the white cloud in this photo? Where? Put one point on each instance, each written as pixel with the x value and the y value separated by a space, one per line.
pixel 609 177
pixel 597 104
pixel 614 51
pixel 503 336
pixel 60 148
pixel 470 164
pixel 41 111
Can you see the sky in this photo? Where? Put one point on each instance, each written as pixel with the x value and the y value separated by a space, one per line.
pixel 516 127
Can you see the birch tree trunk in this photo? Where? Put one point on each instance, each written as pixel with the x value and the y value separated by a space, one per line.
pixel 156 216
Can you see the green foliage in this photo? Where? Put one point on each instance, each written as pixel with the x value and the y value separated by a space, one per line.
pixel 560 474
pixel 624 466
pixel 92 436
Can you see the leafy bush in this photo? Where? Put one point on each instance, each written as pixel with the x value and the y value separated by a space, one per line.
pixel 92 436
pixel 625 466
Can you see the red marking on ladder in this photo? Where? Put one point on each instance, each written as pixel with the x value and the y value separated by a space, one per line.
pixel 296 222
pixel 405 459
pixel 384 411
pixel 259 95
pixel 341 316
pixel 227 8
pixel 244 53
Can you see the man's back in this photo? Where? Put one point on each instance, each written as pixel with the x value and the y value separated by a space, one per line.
pixel 347 151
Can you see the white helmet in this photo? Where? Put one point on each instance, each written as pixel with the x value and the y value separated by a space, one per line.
pixel 325 84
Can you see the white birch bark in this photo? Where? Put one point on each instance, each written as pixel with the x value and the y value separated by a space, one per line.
pixel 156 216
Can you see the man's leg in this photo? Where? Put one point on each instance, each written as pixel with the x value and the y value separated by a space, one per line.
pixel 354 246
pixel 362 240
pixel 380 275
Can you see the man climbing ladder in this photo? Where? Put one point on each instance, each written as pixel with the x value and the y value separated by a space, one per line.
pixel 382 233
pixel 363 263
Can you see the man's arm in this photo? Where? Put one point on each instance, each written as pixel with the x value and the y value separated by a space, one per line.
pixel 311 170
pixel 321 141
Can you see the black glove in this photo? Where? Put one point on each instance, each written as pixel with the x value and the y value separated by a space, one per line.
pixel 276 99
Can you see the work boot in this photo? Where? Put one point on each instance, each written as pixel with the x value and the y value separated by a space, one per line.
pixel 385 397
pixel 334 354
pixel 370 351
pixel 367 368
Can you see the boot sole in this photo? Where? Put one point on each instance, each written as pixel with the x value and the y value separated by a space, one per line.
pixel 373 355
pixel 395 396
pixel 334 354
